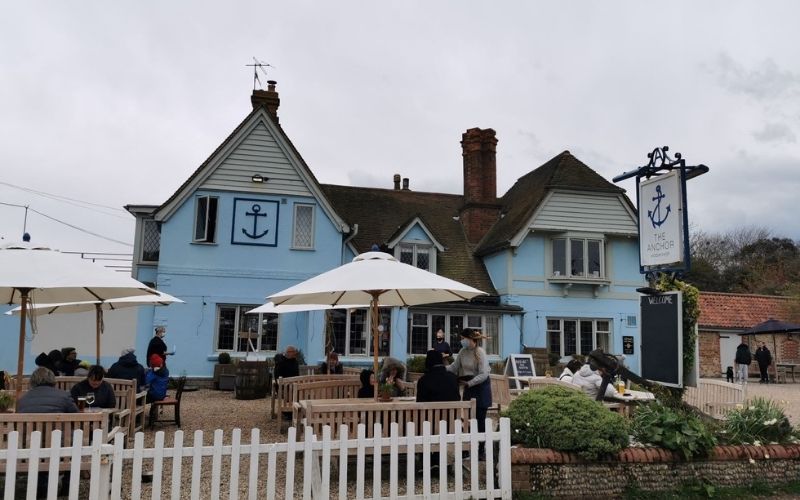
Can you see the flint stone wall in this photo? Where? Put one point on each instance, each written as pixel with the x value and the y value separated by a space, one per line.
pixel 559 474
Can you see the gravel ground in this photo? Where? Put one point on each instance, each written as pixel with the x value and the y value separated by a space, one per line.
pixel 208 410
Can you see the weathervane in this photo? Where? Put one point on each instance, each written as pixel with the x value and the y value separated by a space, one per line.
pixel 258 65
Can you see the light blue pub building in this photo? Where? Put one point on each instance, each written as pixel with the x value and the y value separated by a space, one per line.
pixel 557 254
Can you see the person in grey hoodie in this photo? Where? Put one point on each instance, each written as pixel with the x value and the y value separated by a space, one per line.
pixel 590 381
pixel 43 397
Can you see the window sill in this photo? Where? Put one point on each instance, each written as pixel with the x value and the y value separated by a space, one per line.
pixel 303 249
pixel 204 243
pixel 568 282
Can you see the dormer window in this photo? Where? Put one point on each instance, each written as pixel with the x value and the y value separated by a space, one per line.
pixel 417 255
pixel 578 258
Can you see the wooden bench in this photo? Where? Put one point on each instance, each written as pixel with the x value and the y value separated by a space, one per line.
pixel 46 423
pixel 130 404
pixel 282 394
pixel 714 397
pixel 502 394
pixel 334 413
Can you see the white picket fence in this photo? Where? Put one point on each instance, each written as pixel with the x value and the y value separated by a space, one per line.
pixel 116 472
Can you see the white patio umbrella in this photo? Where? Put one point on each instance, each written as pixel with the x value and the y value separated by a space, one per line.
pixel 379 279
pixel 159 299
pixel 271 308
pixel 36 274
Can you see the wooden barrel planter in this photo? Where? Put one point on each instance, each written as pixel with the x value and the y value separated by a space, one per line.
pixel 252 379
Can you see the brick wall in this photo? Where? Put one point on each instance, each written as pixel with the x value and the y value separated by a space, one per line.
pixel 559 474
pixel 709 354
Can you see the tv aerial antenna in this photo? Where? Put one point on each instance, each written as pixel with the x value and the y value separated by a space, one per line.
pixel 259 66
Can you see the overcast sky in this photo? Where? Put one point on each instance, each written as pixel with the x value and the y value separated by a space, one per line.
pixel 117 103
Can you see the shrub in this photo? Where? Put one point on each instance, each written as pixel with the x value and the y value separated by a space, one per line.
pixel 659 425
pixel 759 421
pixel 6 401
pixel 224 358
pixel 565 420
pixel 416 364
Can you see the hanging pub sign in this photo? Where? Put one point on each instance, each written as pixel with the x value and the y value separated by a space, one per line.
pixel 662 229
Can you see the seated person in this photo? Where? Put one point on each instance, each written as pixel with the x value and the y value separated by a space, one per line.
pixel 69 361
pixel 331 365
pixel 367 389
pixel 393 372
pixel 286 363
pixel 104 396
pixel 51 360
pixel 128 368
pixel 43 397
pixel 569 371
pixel 590 381
pixel 157 379
pixel 437 384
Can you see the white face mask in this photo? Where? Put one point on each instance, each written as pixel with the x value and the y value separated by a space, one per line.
pixel 465 343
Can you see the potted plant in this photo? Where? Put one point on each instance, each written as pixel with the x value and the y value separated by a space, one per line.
pixel 6 402
pixel 385 391
pixel 224 372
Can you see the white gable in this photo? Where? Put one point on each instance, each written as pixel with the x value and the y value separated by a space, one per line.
pixel 585 212
pixel 257 153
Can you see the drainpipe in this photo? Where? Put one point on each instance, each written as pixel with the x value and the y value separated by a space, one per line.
pixel 353 234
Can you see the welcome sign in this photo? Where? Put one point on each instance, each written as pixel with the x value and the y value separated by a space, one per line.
pixel 661 222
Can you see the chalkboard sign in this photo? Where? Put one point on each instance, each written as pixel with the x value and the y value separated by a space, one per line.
pixel 519 365
pixel 627 344
pixel 662 338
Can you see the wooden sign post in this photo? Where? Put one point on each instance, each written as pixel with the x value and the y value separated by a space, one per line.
pixel 519 366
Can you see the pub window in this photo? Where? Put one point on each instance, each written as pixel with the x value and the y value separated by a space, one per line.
pixel 578 257
pixel 303 232
pixel 151 240
pixel 205 219
pixel 238 331
pixel 567 337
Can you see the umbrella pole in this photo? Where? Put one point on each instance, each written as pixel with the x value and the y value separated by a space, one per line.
pixel 99 323
pixel 373 309
pixel 23 316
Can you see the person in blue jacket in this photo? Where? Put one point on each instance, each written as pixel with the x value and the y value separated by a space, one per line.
pixel 157 379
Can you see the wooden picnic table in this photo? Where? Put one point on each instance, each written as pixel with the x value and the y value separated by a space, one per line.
pixel 352 412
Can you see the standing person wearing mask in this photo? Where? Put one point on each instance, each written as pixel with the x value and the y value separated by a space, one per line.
pixel 471 366
pixel 158 346
pixel 442 346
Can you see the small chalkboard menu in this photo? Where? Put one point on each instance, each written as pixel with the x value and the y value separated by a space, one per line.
pixel 519 366
pixel 627 344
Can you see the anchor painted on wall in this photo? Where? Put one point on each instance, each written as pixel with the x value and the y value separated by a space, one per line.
pixel 255 214
pixel 657 209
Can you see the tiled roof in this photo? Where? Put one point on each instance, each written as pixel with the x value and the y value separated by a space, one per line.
pixel 379 214
pixel 740 311
pixel 564 171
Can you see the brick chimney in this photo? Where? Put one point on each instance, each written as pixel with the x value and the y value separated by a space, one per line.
pixel 481 209
pixel 396 182
pixel 267 98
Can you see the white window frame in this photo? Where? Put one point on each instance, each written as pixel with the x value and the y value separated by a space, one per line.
pixel 476 320
pixel 415 246
pixel 561 329
pixel 567 272
pixel 241 309
pixel 145 223
pixel 312 207
pixel 206 239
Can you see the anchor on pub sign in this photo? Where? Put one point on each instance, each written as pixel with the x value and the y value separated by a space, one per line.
pixel 655 214
pixel 255 214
